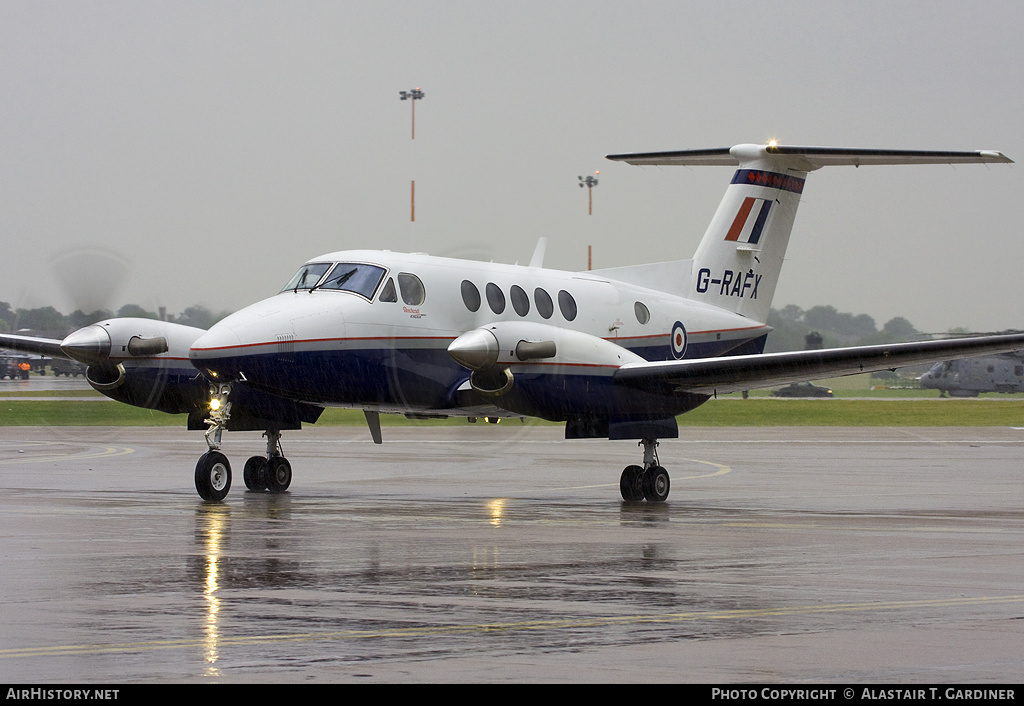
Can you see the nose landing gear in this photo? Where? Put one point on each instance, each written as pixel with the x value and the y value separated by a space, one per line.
pixel 271 473
pixel 213 471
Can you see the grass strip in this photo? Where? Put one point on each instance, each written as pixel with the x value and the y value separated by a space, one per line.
pixel 722 413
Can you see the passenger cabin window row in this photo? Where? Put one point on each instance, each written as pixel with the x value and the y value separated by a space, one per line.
pixel 520 300
pixel 363 279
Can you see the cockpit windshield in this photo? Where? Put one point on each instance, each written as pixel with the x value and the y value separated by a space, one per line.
pixel 356 277
pixel 307 276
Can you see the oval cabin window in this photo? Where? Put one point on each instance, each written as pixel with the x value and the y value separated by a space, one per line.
pixel 545 307
pixel 520 302
pixel 470 295
pixel 495 298
pixel 643 314
pixel 567 305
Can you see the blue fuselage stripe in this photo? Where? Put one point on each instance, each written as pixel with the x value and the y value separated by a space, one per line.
pixel 426 377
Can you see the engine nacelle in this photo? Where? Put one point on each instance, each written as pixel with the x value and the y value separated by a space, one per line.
pixel 142 362
pixel 494 352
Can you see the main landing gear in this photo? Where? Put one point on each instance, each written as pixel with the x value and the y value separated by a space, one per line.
pixel 648 482
pixel 270 473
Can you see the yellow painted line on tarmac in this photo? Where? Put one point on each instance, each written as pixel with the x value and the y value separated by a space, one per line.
pixel 101 452
pixel 512 626
pixel 722 469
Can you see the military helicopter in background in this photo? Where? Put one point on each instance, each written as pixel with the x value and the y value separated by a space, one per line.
pixel 971 376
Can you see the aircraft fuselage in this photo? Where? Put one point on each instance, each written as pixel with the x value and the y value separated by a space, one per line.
pixel 385 346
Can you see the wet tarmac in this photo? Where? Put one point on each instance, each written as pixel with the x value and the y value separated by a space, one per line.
pixel 39 383
pixel 483 553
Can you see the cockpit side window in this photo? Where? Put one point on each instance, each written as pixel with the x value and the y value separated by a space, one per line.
pixel 411 287
pixel 358 278
pixel 307 276
pixel 387 294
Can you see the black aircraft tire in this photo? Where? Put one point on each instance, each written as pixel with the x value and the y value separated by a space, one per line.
pixel 279 474
pixel 656 484
pixel 630 484
pixel 213 476
pixel 255 473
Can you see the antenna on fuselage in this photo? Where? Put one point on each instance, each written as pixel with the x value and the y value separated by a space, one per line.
pixel 538 253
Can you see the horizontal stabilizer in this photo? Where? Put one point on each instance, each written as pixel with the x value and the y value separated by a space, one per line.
pixel 808 159
pixel 744 372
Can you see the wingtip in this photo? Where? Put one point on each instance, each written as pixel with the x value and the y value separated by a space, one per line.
pixel 995 156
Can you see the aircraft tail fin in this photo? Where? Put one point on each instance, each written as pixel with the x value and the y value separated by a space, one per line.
pixel 737 264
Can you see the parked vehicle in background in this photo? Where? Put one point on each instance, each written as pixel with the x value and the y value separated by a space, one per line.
pixel 9 368
pixel 60 366
pixel 803 389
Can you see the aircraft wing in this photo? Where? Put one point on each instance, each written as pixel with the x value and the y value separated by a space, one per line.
pixel 744 372
pixel 28 344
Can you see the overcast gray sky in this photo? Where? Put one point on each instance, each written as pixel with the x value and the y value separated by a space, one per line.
pixel 208 148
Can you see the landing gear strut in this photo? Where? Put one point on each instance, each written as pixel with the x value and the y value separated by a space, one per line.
pixel 213 471
pixel 648 482
pixel 271 472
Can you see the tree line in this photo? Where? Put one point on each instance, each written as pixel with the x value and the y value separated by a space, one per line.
pixel 47 320
pixel 791 325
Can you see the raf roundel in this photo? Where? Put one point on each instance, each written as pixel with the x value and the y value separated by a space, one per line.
pixel 678 340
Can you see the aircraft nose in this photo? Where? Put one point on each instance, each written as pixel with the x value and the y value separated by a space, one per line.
pixel 218 338
pixel 212 351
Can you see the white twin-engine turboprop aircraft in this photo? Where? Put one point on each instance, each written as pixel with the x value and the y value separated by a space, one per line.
pixel 614 353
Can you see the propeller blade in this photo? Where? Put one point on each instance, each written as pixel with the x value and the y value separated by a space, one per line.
pixel 90 276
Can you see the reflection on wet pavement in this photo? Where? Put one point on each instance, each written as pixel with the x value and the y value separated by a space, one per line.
pixel 115 570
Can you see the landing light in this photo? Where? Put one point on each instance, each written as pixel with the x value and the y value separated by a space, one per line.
pixel 214 404
pixel 773 143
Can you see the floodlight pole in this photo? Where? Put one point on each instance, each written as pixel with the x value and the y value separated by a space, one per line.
pixel 590 182
pixel 413 96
